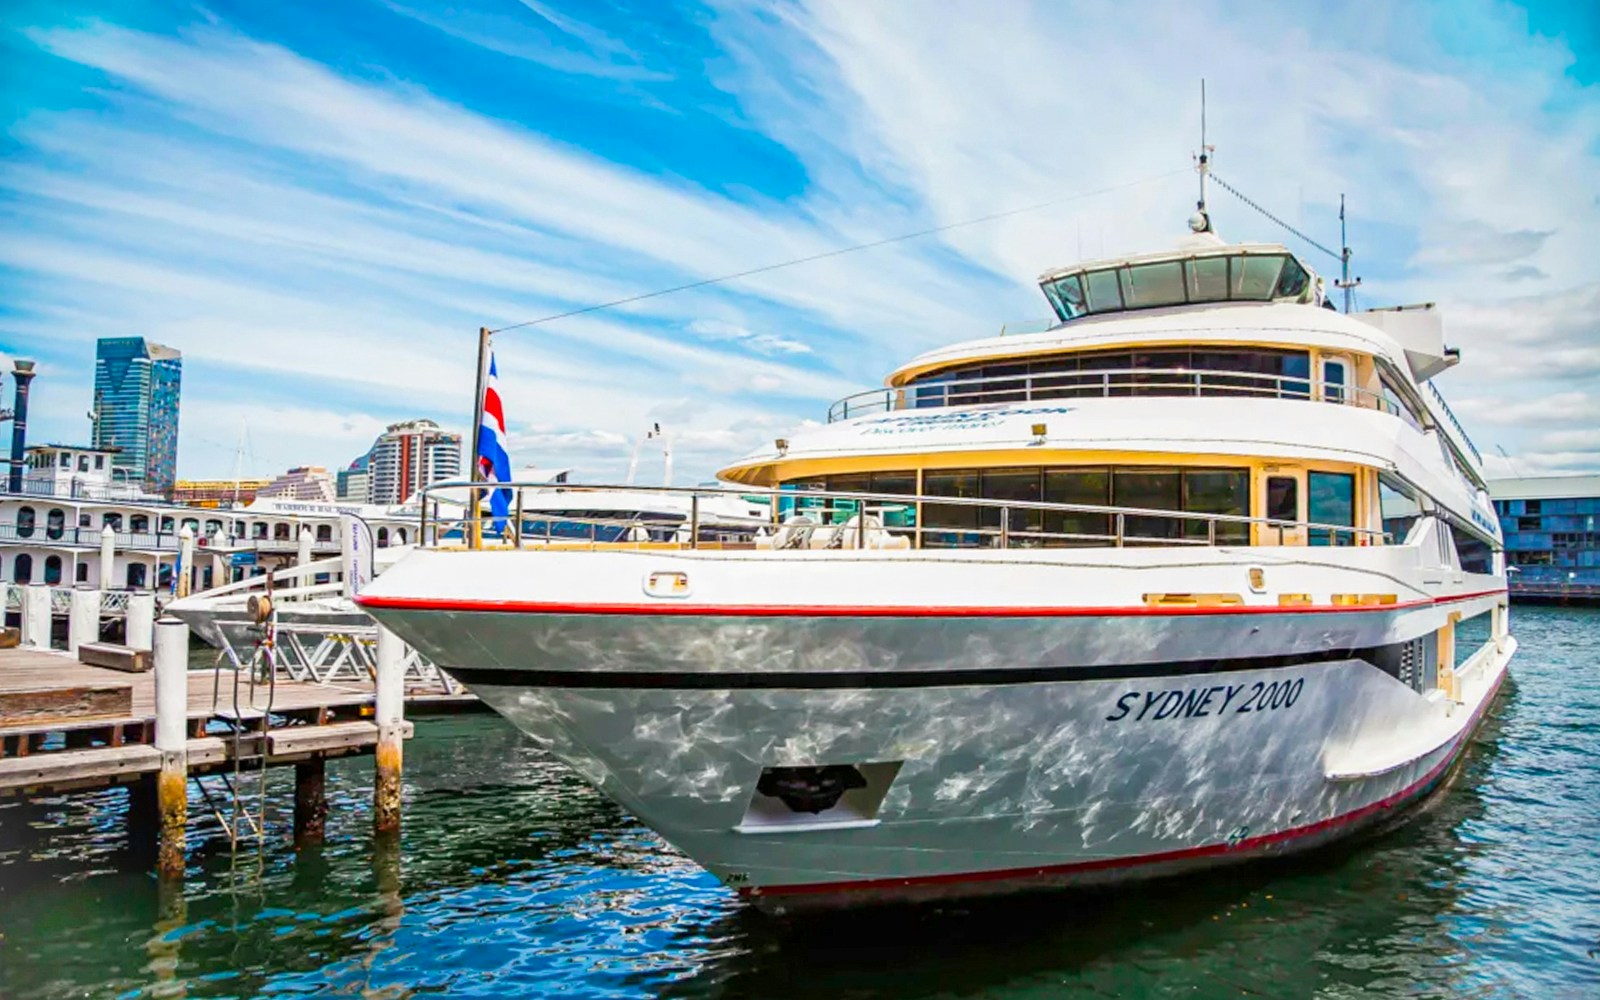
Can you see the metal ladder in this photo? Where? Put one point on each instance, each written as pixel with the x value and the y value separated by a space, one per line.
pixel 248 727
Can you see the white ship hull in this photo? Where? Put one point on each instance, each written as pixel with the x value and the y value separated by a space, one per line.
pixel 1006 741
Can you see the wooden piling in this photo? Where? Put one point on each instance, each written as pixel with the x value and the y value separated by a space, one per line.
pixel 389 714
pixel 172 743
pixel 310 802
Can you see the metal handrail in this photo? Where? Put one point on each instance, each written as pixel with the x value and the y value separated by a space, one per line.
pixel 1038 386
pixel 444 531
pixel 1450 415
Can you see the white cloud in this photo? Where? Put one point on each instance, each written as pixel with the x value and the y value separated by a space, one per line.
pixel 272 216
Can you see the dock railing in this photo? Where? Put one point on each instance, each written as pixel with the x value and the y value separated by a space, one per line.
pixel 936 393
pixel 798 519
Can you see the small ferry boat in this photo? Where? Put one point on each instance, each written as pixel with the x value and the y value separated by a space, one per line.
pixel 1176 583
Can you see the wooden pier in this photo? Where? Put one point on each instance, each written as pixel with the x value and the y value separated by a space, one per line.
pixel 67 726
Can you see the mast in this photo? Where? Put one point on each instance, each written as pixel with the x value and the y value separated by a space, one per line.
pixel 1344 281
pixel 475 529
pixel 1201 221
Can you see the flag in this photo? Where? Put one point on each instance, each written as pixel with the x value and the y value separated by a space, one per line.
pixel 494 461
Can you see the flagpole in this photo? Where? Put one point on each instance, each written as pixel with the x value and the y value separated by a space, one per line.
pixel 475 534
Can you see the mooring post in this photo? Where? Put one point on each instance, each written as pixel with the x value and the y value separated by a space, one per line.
pixel 389 712
pixel 185 567
pixel 36 615
pixel 310 802
pixel 108 556
pixel 139 627
pixel 172 742
pixel 83 618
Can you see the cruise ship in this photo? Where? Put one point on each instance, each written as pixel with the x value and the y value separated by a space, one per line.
pixel 1173 584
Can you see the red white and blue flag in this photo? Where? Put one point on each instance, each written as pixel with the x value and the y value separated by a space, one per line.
pixel 494 460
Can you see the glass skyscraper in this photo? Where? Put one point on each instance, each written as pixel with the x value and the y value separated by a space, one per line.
pixel 136 388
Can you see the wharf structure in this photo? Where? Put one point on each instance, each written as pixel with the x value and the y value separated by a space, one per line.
pixel 75 519
pixel 1552 531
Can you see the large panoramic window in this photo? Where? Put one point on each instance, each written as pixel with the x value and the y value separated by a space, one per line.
pixel 1215 371
pixel 1218 278
pixel 1200 491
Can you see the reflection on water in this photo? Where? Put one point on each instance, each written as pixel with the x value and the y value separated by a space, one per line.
pixel 513 878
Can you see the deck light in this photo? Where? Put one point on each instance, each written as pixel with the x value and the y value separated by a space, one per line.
pixel 1039 431
pixel 783 446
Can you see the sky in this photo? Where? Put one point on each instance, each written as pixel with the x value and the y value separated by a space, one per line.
pixel 320 204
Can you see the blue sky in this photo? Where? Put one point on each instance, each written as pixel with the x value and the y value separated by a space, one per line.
pixel 320 203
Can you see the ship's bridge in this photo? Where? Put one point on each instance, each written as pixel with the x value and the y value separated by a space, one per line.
pixel 1204 271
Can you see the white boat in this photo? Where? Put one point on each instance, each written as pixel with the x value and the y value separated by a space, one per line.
pixel 1173 584
pixel 316 593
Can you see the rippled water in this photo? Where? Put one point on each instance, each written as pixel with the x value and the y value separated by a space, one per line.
pixel 513 878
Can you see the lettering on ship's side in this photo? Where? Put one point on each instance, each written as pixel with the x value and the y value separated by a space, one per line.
pixel 1205 702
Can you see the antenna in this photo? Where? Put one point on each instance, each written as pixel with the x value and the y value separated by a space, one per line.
pixel 1344 281
pixel 238 459
pixel 1514 470
pixel 1200 222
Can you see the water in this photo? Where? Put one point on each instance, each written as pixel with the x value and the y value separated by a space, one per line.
pixel 512 878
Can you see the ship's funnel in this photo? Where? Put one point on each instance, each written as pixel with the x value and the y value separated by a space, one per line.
pixel 23 372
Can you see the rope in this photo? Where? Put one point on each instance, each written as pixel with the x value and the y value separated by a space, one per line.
pixel 840 251
pixel 1233 191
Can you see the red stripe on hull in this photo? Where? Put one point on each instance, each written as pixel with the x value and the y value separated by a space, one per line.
pixel 881 611
pixel 1398 799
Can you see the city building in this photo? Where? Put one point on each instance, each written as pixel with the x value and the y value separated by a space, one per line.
pixel 1552 531
pixel 409 456
pixel 351 484
pixel 306 482
pixel 216 492
pixel 136 389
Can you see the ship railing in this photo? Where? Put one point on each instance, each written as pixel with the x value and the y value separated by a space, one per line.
pixel 837 519
pixel 1042 386
pixel 1438 397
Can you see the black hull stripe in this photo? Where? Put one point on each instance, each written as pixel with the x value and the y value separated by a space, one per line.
pixel 859 679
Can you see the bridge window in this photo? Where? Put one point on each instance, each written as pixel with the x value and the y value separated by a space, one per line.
pixel 1179 281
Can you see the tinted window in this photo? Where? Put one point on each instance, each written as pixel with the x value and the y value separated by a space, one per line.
pixel 1332 497
pixel 1400 509
pixel 1089 487
pixel 1283 498
pixel 1217 491
pixel 1154 489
